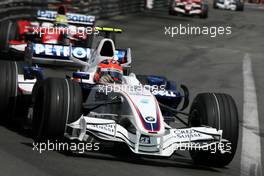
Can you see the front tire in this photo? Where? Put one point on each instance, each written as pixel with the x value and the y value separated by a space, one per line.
pixel 57 102
pixel 218 111
pixel 8 90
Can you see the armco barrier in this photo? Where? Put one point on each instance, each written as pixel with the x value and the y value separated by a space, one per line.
pixel 11 9
pixel 160 3
pixel 107 8
pixel 17 9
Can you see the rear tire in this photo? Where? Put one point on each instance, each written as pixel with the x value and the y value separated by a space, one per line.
pixel 218 111
pixel 9 31
pixel 8 90
pixel 240 6
pixel 215 4
pixel 204 13
pixel 57 102
pixel 171 10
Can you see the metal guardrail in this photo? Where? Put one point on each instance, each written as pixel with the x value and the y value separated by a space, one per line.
pixel 161 3
pixel 107 8
pixel 10 9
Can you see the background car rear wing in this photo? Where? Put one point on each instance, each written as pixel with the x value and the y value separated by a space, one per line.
pixel 73 18
pixel 107 32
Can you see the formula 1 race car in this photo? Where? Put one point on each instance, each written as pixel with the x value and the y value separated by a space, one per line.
pixel 189 7
pixel 16 34
pixel 136 112
pixel 22 75
pixel 236 5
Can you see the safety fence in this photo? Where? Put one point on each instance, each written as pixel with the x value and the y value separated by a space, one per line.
pixel 13 9
pixel 160 3
pixel 108 8
pixel 10 9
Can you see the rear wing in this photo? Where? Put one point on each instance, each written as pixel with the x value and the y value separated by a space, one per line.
pixel 107 29
pixel 108 32
pixel 51 54
pixel 73 18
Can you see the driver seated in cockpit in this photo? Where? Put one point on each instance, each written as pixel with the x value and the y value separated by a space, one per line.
pixel 109 71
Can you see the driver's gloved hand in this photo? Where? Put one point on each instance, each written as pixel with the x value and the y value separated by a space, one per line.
pixel 106 79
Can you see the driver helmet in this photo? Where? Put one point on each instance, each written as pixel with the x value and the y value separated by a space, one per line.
pixel 61 18
pixel 110 67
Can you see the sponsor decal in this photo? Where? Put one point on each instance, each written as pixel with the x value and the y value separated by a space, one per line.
pixel 47 14
pixel 72 17
pixel 150 127
pixel 164 93
pixel 120 54
pixel 144 140
pixel 61 51
pixel 186 133
pixel 110 128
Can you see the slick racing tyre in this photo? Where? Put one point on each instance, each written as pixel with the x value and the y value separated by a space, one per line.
pixel 9 31
pixel 218 111
pixel 8 90
pixel 204 9
pixel 215 4
pixel 171 8
pixel 239 6
pixel 57 102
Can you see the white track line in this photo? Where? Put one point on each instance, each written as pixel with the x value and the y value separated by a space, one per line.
pixel 251 146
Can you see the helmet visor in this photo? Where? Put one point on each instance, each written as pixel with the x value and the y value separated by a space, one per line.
pixel 117 75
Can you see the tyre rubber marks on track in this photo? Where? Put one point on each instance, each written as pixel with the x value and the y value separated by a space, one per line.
pixel 251 146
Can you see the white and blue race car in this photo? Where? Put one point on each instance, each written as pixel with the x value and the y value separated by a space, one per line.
pixel 138 112
pixel 235 5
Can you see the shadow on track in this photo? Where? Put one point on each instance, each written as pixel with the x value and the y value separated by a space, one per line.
pixel 123 154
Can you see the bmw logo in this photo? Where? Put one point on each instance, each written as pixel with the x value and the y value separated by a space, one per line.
pixel 79 52
pixel 150 119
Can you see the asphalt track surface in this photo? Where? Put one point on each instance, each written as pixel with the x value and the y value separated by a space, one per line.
pixel 203 63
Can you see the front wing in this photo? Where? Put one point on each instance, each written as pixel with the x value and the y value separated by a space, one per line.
pixel 165 145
